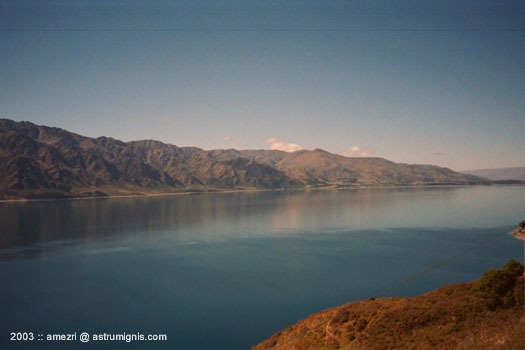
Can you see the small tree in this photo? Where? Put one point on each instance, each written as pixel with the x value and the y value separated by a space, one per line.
pixel 497 285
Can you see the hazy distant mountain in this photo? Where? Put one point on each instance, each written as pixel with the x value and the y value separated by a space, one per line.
pixel 44 162
pixel 517 173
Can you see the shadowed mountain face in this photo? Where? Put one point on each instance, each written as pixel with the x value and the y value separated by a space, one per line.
pixel 44 162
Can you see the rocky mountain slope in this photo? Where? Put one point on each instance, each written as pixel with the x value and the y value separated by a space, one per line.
pixel 485 314
pixel 319 167
pixel 45 162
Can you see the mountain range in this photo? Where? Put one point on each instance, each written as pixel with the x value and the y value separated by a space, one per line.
pixel 47 162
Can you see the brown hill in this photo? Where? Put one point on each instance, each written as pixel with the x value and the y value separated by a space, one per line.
pixel 319 167
pixel 485 314
pixel 44 162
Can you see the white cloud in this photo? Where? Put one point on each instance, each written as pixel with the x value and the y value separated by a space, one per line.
pixel 165 120
pixel 357 151
pixel 283 146
pixel 227 138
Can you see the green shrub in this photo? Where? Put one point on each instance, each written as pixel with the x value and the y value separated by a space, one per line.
pixel 498 286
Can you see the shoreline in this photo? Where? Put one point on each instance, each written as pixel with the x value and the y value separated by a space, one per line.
pixel 518 234
pixel 323 188
pixel 134 195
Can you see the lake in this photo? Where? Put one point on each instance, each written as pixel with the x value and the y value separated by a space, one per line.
pixel 227 270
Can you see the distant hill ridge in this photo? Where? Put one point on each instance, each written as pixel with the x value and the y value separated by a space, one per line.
pixel 46 162
pixel 515 173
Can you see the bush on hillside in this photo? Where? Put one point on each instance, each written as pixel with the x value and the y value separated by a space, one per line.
pixel 500 287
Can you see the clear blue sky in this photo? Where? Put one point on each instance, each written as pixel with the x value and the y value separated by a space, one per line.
pixel 439 82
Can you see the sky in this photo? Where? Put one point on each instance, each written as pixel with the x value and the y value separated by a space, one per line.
pixel 431 82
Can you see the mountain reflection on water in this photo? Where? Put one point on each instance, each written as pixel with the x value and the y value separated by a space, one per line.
pixel 225 271
pixel 30 228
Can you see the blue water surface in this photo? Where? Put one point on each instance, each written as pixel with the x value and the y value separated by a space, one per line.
pixel 226 271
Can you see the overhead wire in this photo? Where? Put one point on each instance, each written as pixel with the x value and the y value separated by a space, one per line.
pixel 394 286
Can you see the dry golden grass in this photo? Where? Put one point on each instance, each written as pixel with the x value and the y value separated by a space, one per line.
pixel 459 317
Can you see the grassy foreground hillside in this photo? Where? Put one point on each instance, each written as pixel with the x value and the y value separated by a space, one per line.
pixel 484 314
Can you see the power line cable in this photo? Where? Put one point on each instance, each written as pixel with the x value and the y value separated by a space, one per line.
pixel 394 286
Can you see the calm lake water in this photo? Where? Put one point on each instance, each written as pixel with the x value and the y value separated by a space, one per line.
pixel 226 271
